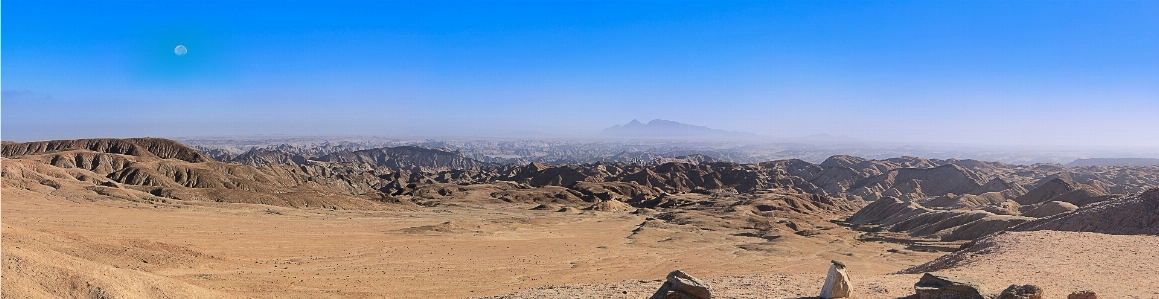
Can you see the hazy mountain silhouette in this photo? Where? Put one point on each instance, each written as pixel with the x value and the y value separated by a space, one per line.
pixel 666 129
pixel 1114 162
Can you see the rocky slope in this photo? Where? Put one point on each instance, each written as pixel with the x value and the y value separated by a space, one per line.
pixel 966 217
pixel 150 170
pixel 141 147
pixel 403 157
pixel 965 183
pixel 1131 215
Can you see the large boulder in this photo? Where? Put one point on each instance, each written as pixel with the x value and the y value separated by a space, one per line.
pixel 680 285
pixel 932 286
pixel 836 282
pixel 1028 291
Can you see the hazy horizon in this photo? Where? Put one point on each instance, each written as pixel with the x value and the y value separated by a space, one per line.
pixel 1007 74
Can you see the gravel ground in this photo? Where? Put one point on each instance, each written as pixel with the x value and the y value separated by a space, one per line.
pixel 1114 266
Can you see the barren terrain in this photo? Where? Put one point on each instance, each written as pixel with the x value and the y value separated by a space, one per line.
pixel 1059 262
pixel 271 252
pixel 152 218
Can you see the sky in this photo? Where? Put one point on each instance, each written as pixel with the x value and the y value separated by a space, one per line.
pixel 1067 73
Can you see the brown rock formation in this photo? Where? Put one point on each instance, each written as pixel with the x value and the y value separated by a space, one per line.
pixel 1131 215
pixel 141 147
pixel 1060 189
pixel 1051 208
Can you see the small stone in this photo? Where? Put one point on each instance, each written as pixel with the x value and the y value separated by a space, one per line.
pixel 1082 295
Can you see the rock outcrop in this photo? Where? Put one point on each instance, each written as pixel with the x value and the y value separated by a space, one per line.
pixel 680 285
pixel 932 286
pixel 1021 292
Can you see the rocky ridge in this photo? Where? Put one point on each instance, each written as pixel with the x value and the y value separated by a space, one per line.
pixel 945 200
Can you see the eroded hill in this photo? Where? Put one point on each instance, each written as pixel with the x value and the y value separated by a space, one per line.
pixel 412 220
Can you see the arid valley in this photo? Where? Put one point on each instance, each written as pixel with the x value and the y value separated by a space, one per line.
pixel 152 218
pixel 630 149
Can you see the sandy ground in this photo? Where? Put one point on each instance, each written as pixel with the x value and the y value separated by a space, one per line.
pixel 216 250
pixel 741 286
pixel 1113 266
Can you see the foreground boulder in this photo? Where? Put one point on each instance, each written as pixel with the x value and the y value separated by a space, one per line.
pixel 836 282
pixel 1021 292
pixel 932 286
pixel 680 285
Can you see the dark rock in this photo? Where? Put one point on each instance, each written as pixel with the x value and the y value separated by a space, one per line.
pixel 932 286
pixel 1021 292
pixel 1083 295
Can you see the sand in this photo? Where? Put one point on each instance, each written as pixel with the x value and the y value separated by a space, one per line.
pixel 1113 266
pixel 58 247
pixel 243 250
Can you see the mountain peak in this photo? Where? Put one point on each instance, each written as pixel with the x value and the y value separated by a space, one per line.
pixel 667 129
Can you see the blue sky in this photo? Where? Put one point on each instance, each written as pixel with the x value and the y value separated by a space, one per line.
pixel 981 72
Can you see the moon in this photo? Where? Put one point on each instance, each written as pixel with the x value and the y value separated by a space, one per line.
pixel 180 50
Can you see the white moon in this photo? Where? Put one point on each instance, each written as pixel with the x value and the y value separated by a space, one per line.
pixel 180 50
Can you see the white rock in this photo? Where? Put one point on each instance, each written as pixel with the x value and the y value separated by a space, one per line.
pixel 836 283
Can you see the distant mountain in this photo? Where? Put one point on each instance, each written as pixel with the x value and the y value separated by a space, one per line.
pixel 825 138
pixel 666 129
pixel 1114 162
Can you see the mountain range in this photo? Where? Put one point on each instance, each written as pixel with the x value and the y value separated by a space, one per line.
pixel 666 129
pixel 1114 162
